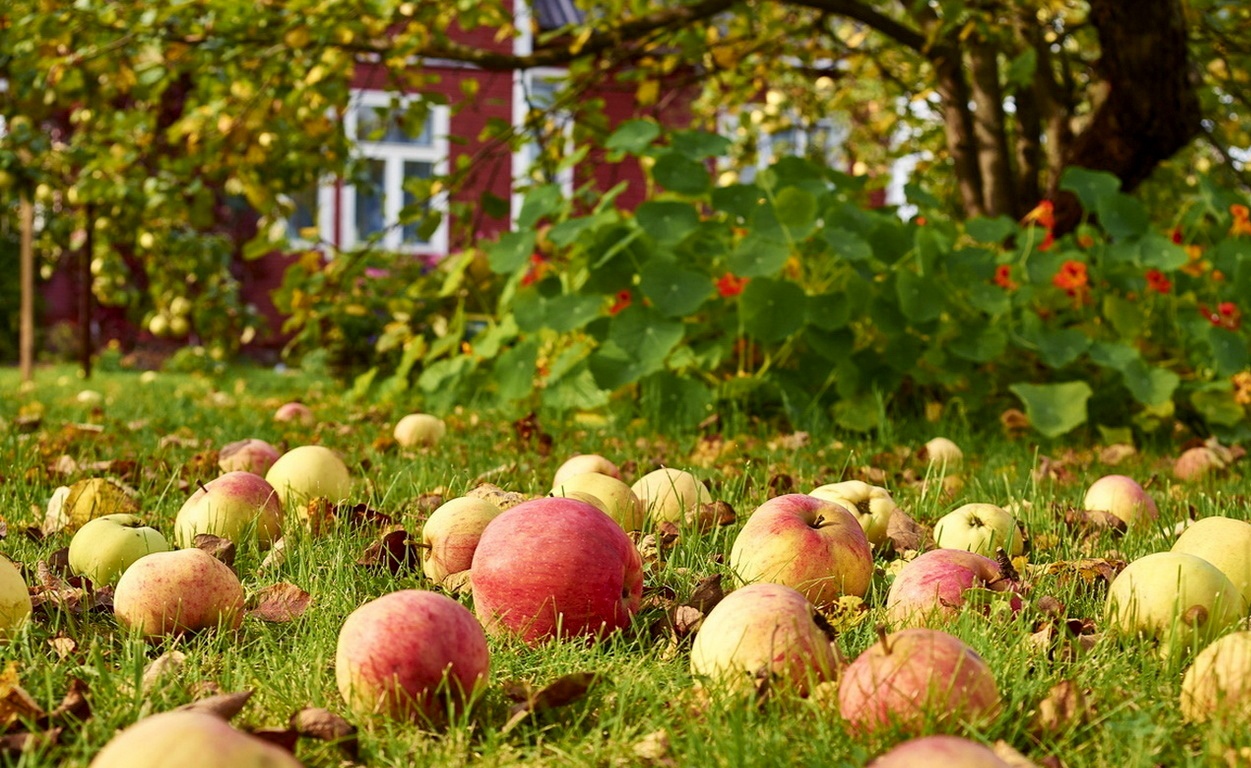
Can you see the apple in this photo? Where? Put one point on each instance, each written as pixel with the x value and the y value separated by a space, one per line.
pixel 451 535
pixel 168 594
pixel 944 454
pixel 235 506
pixel 585 462
pixel 980 528
pixel 1216 684
pixel 614 497
pixel 418 429
pixel 308 472
pixel 189 739
pixel 916 677
pixel 815 546
pixel 674 496
pixel 411 655
pixel 250 455
pixel 1181 600
pixel 15 605
pixel 762 629
pixel 871 504
pixel 1223 542
pixel 940 750
pixel 554 567
pixel 295 412
pixel 1122 497
pixel 931 588
pixel 106 546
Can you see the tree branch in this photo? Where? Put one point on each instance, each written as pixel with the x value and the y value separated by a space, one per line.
pixel 879 22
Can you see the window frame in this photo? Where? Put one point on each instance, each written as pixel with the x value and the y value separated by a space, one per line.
pixel 523 158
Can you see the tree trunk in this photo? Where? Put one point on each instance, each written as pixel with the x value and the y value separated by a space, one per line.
pixel 26 313
pixel 958 127
pixel 993 159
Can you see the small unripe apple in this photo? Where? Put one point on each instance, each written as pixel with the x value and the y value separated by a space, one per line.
pixel 1217 685
pixel 417 429
pixel 1122 497
pixel 614 497
pixel 190 739
pixel 674 496
pixel 980 528
pixel 308 472
pixel 174 593
pixel 15 605
pixel 105 547
pixel 451 534
pixel 1224 542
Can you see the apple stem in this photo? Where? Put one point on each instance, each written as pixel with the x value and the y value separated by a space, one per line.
pixel 819 521
pixel 201 484
pixel 881 637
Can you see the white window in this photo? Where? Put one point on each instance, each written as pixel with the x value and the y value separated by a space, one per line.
pixel 395 156
pixel 762 139
pixel 547 124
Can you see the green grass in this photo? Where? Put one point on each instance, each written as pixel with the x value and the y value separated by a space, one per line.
pixel 171 425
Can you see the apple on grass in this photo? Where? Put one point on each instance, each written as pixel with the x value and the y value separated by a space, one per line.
pixel 1121 497
pixel 931 588
pixel 940 751
pixel 914 678
pixel 762 629
pixel 105 547
pixel 555 568
pixel 1217 684
pixel 418 429
pixel 609 494
pixel 167 594
pixel 411 655
pixel 871 504
pixel 190 739
pixel 980 528
pixel 250 455
pixel 298 413
pixel 309 472
pixel 812 545
pixel 451 535
pixel 1224 542
pixel 234 506
pixel 15 605
pixel 674 496
pixel 1178 599
pixel 585 462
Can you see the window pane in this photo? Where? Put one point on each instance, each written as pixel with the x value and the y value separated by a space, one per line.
pixel 370 196
pixel 413 169
pixel 302 224
pixel 385 124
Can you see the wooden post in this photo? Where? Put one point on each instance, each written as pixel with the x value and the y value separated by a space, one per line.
pixel 26 322
pixel 85 294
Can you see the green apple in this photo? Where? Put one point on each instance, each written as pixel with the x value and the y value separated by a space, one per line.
pixel 872 505
pixel 105 547
pixel 674 496
pixel 1214 686
pixel 451 535
pixel 584 462
pixel 1122 497
pixel 15 603
pixel 1223 542
pixel 610 494
pixel 980 528
pixel 307 472
pixel 417 429
pixel 190 739
pixel 234 506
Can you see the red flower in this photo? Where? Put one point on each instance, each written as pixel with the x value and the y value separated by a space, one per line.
pixel 538 265
pixel 920 221
pixel 623 300
pixel 1226 315
pixel 1048 241
pixel 1072 278
pixel 1003 278
pixel 1242 220
pixel 1176 235
pixel 729 285
pixel 1044 215
pixel 1157 281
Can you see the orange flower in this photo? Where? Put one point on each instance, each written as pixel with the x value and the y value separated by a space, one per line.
pixel 1003 278
pixel 729 285
pixel 622 301
pixel 1071 278
pixel 1044 214
pixel 920 221
pixel 1157 281
pixel 538 265
pixel 1085 241
pixel 1242 220
pixel 1048 241
pixel 1226 315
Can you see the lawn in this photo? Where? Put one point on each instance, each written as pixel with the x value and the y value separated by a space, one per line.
pixel 1093 700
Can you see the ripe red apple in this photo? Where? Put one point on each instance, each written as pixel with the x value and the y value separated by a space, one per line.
pixel 250 455
pixel 190 739
pixel 452 533
pixel 813 545
pixel 555 567
pixel 940 751
pixel 233 506
pixel 585 462
pixel 931 587
pixel 411 655
pixel 762 629
pixel 295 412
pixel 1122 497
pixel 173 593
pixel 916 677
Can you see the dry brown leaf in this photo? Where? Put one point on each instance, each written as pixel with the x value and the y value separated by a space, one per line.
pixel 224 705
pixel 166 665
pixel 63 646
pixel 1116 453
pixel 15 703
pixel 319 515
pixel 324 725
pixel 361 516
pixel 716 513
pixel 1007 753
pixel 276 555
pixel 561 692
pixel 653 749
pixel 74 708
pixel 1063 708
pixel 707 593
pixel 279 603
pixel 396 551
pixel 285 738
pixel 459 583
pixel 905 533
pixel 685 620
pixel 497 496
pixel 22 742
pixel 221 548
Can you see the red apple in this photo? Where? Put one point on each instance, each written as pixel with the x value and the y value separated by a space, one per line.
pixel 555 567
pixel 941 750
pixel 411 655
pixel 190 739
pixel 813 545
pixel 295 412
pixel 234 506
pixel 931 587
pixel 1122 497
pixel 917 677
pixel 173 593
pixel 251 455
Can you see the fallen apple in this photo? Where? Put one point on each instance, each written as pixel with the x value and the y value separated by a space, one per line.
pixel 1122 497
pixel 555 568
pixel 190 739
pixel 451 535
pixel 759 632
pixel 614 496
pixel 1224 542
pixel 417 429
pixel 105 547
pixel 295 412
pixel 250 455
pixel 15 605
pixel 981 528
pixel 944 455
pixel 1178 599
pixel 308 472
pixel 411 655
pixel 1215 685
pixel 585 462
pixel 674 496
pixel 167 594
pixel 872 505
pixel 812 545
pixel 932 587
pixel 915 678
pixel 236 506
pixel 939 750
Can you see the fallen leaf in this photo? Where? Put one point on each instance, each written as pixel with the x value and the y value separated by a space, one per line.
pixel 653 749
pixel 285 738
pixel 561 692
pixel 396 551
pixel 22 742
pixel 1062 709
pixel 707 593
pixel 280 603
pixel 361 515
pixel 905 533
pixel 459 583
pixel 276 555
pixel 63 646
pixel 166 665
pixel 15 703
pixel 324 725
pixel 1116 453
pixel 1009 755
pixel 496 495
pixel 685 620
pixel 224 705
pixel 74 708
pixel 220 548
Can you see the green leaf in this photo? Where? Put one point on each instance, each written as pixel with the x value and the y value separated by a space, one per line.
pixel 570 230
pixel 633 137
pixel 1091 187
pixel 980 345
pixel 1229 350
pixel 1218 406
pixel 645 335
pixel 680 174
pixel 1118 357
pixel 539 202
pixel 920 299
pixel 678 402
pixel 699 145
pixel 859 414
pixel 985 230
pixel 796 210
pixel 848 244
pixel 515 371
pixel 1054 409
pixel 1061 347
pixel 830 311
pixel 561 312
pixel 1123 315
pixel 772 309
pixel 1021 68
pixel 739 200
pixel 1156 251
pixel 510 252
pixel 667 221
pixel 1148 384
pixel 1123 216
pixel 989 299
pixel 758 256
pixel 674 290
